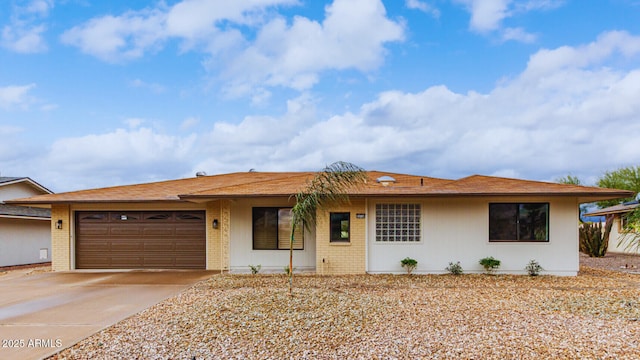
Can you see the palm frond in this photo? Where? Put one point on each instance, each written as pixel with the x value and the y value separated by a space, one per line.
pixel 330 186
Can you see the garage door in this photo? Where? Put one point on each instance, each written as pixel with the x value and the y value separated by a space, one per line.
pixel 140 239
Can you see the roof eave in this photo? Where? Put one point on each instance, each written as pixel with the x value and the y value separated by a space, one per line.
pixel 84 201
pixel 30 181
pixel 583 197
pixel 25 217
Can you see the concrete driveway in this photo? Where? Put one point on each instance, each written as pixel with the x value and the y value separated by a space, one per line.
pixel 43 313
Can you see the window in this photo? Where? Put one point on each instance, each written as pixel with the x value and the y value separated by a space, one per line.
pixel 398 222
pixel 519 222
pixel 272 229
pixel 340 228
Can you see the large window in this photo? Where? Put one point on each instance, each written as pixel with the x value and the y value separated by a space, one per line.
pixel 519 222
pixel 272 229
pixel 339 227
pixel 398 222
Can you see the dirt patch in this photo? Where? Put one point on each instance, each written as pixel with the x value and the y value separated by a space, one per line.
pixel 629 263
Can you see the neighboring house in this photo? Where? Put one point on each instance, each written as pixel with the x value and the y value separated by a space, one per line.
pixel 618 237
pixel 228 222
pixel 25 232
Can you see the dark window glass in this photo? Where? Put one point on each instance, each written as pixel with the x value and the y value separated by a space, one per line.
pixel 272 230
pixel 519 222
pixel 340 227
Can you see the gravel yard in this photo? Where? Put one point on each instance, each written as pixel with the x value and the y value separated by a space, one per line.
pixel 595 315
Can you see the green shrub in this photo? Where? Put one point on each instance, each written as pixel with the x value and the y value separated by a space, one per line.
pixel 533 268
pixel 255 268
pixel 594 239
pixel 286 269
pixel 489 264
pixel 409 264
pixel 454 269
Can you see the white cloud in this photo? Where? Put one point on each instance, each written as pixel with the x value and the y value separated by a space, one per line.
pixel 10 130
pixel 153 87
pixel 352 36
pixel 23 39
pixel 189 123
pixel 566 57
pixel 137 154
pixel 15 96
pixel 487 16
pixel 577 119
pixel 423 6
pixel 194 20
pixel 518 34
pixel 25 33
pixel 130 35
pixel 134 123
pixel 119 38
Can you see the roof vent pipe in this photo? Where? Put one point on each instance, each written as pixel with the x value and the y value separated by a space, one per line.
pixel 201 174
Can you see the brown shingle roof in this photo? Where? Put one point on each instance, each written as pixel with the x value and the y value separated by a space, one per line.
pixel 24 211
pixel 615 209
pixel 261 184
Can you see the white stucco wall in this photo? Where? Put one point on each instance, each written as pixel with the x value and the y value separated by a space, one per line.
pixel 458 230
pixel 18 190
pixel 241 244
pixel 21 241
pixel 615 237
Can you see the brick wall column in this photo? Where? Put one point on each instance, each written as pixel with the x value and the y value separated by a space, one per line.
pixel 61 238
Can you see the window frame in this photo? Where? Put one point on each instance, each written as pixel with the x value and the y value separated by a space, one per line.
pixel 331 227
pixel 517 223
pixel 277 247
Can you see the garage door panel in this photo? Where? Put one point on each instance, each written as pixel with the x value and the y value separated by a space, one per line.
pixel 123 261
pixel 188 231
pixel 94 246
pixel 160 245
pixel 93 229
pixel 188 246
pixel 129 229
pixel 120 240
pixel 158 231
pixel 125 246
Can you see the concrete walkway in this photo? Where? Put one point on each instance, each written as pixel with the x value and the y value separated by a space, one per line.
pixel 43 313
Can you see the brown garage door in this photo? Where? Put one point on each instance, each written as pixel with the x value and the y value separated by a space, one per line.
pixel 140 239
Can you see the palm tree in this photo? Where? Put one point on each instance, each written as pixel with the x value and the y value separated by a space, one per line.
pixel 328 187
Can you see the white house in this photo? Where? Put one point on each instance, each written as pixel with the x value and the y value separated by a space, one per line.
pixel 25 232
pixel 230 221
pixel 619 237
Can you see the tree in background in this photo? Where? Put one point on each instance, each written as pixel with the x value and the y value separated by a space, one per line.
pixel 327 188
pixel 627 178
pixel 569 180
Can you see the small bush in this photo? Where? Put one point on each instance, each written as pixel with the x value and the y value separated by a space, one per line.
pixel 533 268
pixel 255 268
pixel 489 264
pixel 454 269
pixel 409 264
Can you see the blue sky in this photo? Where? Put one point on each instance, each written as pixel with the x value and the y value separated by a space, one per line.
pixel 101 93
